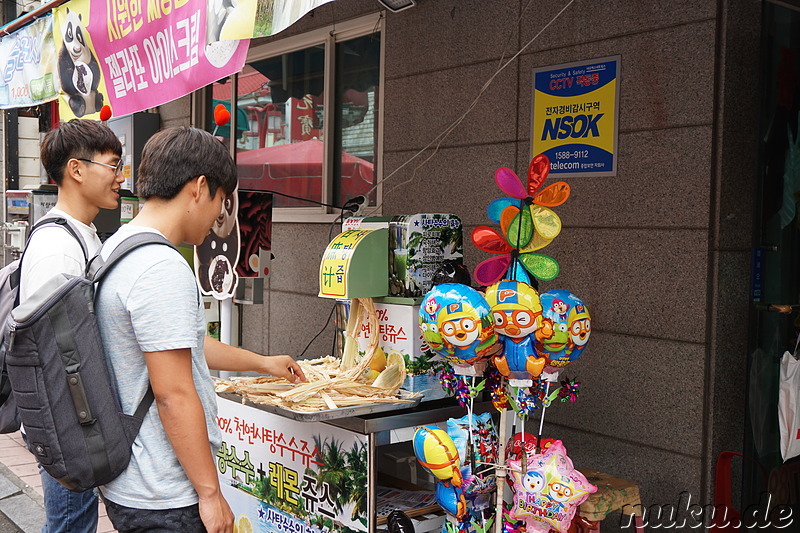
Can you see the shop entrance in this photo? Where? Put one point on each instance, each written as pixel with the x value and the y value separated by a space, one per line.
pixel 775 288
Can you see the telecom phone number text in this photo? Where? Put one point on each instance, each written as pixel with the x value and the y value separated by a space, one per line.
pixel 575 154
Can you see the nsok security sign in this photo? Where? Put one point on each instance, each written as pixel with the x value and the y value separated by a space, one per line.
pixel 575 117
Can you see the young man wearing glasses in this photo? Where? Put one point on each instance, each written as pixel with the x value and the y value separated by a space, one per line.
pixel 83 158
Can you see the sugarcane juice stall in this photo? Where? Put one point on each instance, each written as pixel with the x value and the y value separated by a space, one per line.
pixel 304 457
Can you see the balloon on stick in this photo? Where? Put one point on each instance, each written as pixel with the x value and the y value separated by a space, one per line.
pixel 517 313
pixel 548 490
pixel 572 326
pixel 221 117
pixel 463 320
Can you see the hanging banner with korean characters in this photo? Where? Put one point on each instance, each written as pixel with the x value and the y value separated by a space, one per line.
pixel 28 66
pixel 254 18
pixel 144 53
pixel 287 476
pixel 576 116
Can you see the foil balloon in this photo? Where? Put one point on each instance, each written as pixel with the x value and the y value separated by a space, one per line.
pixel 451 499
pixel 517 313
pixel 548 490
pixel 572 326
pixel 477 442
pixel 463 320
pixel 437 454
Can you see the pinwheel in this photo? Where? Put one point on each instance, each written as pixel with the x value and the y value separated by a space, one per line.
pixel 527 224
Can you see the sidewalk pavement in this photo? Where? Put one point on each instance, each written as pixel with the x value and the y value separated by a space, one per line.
pixel 21 501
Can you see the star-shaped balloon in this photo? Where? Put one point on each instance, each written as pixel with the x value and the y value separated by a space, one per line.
pixel 547 489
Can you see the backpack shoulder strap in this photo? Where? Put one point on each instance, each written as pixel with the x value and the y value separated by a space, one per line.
pixel 14 277
pixel 68 227
pixel 98 268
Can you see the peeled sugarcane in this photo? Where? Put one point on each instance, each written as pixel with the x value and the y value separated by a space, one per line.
pixel 332 382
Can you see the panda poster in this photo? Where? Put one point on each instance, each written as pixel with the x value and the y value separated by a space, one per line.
pixel 82 91
pixel 136 54
pixel 215 259
pixel 28 66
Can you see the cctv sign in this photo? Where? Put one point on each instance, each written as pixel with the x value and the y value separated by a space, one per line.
pixel 575 117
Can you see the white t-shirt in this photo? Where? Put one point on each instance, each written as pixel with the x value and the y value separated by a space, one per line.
pixel 53 251
pixel 149 302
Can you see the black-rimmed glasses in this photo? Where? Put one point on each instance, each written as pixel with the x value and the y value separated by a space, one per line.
pixel 117 168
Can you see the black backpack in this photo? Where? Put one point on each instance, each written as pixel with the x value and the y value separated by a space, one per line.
pixel 70 408
pixel 9 298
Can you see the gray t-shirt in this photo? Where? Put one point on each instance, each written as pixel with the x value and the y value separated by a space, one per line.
pixel 149 302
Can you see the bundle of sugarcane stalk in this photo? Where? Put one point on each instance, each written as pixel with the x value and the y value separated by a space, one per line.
pixel 332 383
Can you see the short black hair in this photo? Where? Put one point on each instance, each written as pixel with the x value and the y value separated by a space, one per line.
pixel 78 138
pixel 175 156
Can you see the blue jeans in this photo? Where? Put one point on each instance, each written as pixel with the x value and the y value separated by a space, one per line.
pixel 67 511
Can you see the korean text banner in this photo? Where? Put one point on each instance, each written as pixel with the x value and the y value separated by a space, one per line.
pixel 149 52
pixel 288 476
pixel 575 117
pixel 255 18
pixel 28 66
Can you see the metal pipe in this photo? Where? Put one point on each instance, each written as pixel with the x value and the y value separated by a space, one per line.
pixel 27 18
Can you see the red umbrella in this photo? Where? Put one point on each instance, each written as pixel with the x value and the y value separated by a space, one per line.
pixel 296 169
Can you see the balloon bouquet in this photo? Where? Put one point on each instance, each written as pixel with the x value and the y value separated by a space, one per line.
pixel 457 323
pixel 528 338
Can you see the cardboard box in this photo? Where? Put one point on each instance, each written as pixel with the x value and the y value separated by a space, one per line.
pixel 399 330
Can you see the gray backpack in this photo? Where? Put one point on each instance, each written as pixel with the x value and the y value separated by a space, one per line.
pixel 9 298
pixel 67 402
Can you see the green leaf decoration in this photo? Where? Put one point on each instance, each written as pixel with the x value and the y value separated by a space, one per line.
pixel 520 230
pixel 543 267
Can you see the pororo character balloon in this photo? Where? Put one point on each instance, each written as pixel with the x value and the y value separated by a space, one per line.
pixel 464 322
pixel 571 328
pixel 579 327
pixel 428 324
pixel 548 490
pixel 517 313
pixel 437 454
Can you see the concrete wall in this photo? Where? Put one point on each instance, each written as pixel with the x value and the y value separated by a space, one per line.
pixel 660 252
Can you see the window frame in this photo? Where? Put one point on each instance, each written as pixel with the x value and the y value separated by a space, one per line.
pixel 328 36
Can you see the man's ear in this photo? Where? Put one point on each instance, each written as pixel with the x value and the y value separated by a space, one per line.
pixel 72 170
pixel 199 187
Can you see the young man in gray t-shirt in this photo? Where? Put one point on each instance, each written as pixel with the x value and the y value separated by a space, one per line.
pixel 151 320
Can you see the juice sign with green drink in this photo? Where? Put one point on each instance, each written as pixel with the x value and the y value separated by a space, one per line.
pixel 418 245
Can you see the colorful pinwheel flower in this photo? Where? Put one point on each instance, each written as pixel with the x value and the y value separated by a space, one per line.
pixel 527 223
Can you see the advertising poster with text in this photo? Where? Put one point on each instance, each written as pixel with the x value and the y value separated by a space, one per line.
pixel 285 476
pixel 137 54
pixel 255 18
pixel 576 116
pixel 28 66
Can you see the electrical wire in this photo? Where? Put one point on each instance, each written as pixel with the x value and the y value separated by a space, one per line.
pixel 306 200
pixel 328 321
pixel 449 129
